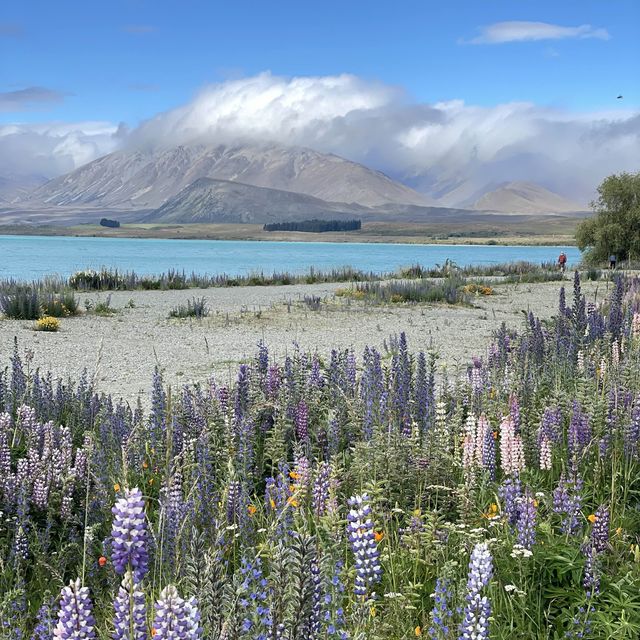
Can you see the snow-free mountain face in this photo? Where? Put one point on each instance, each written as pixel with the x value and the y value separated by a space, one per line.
pixel 525 197
pixel 216 201
pixel 147 180
pixel 13 188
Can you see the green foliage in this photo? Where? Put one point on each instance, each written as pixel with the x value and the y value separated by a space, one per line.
pixel 195 308
pixel 615 229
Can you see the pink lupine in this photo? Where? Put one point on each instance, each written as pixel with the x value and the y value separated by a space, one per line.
pixel 511 447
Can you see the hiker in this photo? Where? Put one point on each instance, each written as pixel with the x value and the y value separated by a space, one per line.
pixel 612 261
pixel 562 261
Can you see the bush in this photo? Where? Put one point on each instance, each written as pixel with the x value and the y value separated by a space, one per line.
pixel 47 323
pixel 195 308
pixel 21 304
pixel 104 308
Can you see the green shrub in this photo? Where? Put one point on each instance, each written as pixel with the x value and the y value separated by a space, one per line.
pixel 195 308
pixel 21 304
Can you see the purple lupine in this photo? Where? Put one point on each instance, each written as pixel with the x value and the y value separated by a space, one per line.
pixel 489 452
pixel 321 486
pixel 254 600
pixel 441 615
pixel 45 621
pixel 176 619
pixel 600 530
pixel 129 535
pixel 158 416
pixel 302 421
pixel 510 492
pixel 75 616
pixel 591 578
pixel 273 382
pixel 477 610
pixel 631 433
pixel 362 540
pixel 579 433
pixel 526 524
pixel 315 379
pixel 567 501
pixel 130 618
pixel 333 616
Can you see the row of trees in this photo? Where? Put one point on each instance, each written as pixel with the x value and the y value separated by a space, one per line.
pixel 615 228
pixel 315 226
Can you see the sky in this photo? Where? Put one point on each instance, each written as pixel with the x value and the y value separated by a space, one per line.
pixel 83 78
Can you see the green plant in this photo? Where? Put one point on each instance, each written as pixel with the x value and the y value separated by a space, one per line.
pixel 195 308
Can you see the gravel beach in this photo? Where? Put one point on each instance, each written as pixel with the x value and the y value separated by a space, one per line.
pixel 120 350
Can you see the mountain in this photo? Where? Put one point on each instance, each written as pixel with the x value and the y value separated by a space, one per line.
pixel 525 197
pixel 147 180
pixel 13 188
pixel 211 200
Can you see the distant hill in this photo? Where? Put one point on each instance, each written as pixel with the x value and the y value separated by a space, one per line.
pixel 147 180
pixel 13 188
pixel 525 197
pixel 216 201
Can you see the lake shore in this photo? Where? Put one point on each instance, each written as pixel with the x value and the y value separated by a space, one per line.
pixel 525 230
pixel 121 350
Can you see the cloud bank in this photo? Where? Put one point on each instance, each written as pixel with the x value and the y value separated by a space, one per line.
pixel 522 31
pixel 449 150
pixel 28 98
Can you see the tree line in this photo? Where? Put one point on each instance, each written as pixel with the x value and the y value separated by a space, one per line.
pixel 315 226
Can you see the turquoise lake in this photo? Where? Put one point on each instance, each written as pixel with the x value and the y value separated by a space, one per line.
pixel 27 257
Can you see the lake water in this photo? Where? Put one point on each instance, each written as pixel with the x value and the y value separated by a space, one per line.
pixel 27 257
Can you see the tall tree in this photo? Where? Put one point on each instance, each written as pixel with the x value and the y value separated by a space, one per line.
pixel 615 227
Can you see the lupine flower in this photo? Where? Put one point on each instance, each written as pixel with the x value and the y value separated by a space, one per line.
pixel 129 535
pixel 510 493
pixel 475 624
pixel 591 578
pixel 254 599
pixel 511 447
pixel 176 619
pixel 567 501
pixel 362 539
pixel 302 421
pixel 75 616
pixel 441 614
pixel 130 611
pixel 333 617
pixel 600 530
pixel 45 622
pixel 526 525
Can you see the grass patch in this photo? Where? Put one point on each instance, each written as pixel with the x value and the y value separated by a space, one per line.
pixel 195 308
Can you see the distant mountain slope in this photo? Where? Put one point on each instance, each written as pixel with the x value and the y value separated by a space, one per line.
pixel 15 187
pixel 525 197
pixel 139 180
pixel 217 201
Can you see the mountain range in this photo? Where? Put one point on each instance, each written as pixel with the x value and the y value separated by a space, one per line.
pixel 251 183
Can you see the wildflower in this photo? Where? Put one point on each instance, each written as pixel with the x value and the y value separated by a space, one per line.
pixel 378 535
pixel 116 487
pixel 418 631
pixel 475 625
pixel 176 619
pixel 511 447
pixel 102 561
pixel 130 611
pixel 527 521
pixel 251 509
pixel 592 518
pixel 75 617
pixel 600 530
pixel 441 614
pixel 362 538
pixel 129 535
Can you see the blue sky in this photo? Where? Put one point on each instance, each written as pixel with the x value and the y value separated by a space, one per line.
pixel 451 95
pixel 127 60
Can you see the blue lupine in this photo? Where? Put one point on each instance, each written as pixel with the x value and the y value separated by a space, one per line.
pixel 129 535
pixel 362 540
pixel 75 616
pixel 526 524
pixel 130 619
pixel 477 610
pixel 441 614
pixel 176 619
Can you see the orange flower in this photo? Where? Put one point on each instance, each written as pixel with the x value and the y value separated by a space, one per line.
pixel 116 487
pixel 102 561
pixel 150 480
pixel 492 511
pixel 592 518
pixel 495 435
pixel 378 535
pixel 145 465
pixel 153 631
pixel 418 632
pixel 294 475
pixel 251 509
pixel 292 501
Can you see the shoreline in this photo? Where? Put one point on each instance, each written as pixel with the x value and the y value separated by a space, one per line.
pixel 371 233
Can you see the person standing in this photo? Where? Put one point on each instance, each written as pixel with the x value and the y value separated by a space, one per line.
pixel 612 261
pixel 562 261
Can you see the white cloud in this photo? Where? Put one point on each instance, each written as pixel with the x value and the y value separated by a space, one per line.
pixel 53 148
pixel 440 148
pixel 522 31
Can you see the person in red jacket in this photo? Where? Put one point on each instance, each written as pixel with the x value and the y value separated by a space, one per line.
pixel 562 261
